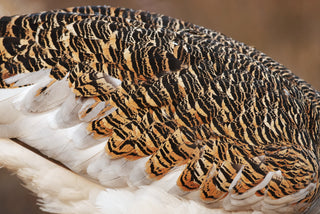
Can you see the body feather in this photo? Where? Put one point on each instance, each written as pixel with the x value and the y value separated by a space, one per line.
pixel 153 110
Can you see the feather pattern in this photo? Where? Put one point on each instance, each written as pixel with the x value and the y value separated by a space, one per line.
pixel 153 105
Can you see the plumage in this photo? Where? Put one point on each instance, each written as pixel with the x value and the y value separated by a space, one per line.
pixel 145 106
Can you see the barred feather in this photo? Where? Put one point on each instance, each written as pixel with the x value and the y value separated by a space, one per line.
pixel 228 125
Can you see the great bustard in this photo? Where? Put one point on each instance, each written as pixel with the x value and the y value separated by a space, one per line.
pixel 147 113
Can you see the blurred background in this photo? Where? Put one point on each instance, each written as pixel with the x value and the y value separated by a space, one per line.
pixel 288 31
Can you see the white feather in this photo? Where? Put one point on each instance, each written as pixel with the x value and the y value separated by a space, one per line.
pixel 62 191
pixel 23 79
pixel 149 199
pixel 7 110
pixel 52 97
pixel 59 190
pixel 67 114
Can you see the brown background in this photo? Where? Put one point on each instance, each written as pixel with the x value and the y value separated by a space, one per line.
pixel 288 31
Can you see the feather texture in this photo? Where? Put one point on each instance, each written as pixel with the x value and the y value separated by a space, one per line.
pixel 152 105
pixel 62 191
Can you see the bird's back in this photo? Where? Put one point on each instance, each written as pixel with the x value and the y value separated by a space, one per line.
pixel 138 100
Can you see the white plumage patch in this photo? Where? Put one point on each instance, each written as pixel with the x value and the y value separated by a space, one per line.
pixel 62 191
pixel 59 190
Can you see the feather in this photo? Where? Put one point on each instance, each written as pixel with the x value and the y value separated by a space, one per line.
pixel 76 194
pixel 145 109
pixel 72 194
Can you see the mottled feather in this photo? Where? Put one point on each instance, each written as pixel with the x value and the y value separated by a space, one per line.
pixel 242 130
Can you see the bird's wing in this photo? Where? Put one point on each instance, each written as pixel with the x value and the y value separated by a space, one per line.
pixel 133 99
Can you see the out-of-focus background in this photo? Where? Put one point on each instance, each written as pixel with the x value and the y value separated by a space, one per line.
pixel 288 31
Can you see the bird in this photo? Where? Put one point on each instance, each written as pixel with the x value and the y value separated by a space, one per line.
pixel 115 110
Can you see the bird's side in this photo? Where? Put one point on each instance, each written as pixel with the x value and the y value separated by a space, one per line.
pixel 141 104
